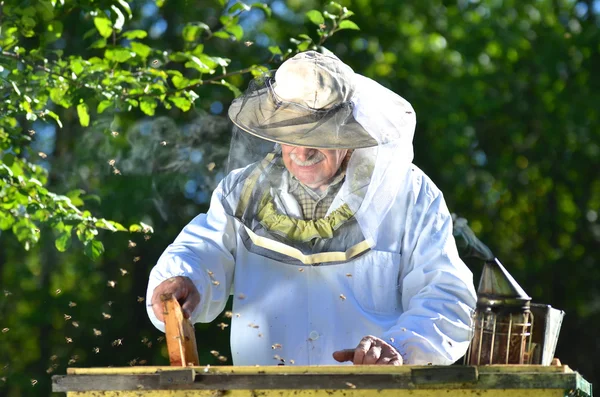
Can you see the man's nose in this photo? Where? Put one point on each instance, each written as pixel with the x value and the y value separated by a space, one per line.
pixel 303 153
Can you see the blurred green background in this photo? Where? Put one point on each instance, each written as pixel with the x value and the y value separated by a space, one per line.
pixel 507 96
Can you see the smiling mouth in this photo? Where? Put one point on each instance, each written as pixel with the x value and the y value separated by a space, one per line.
pixel 314 159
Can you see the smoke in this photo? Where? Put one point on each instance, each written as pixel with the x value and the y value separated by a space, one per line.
pixel 469 246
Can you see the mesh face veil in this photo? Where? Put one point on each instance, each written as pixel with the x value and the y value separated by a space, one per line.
pixel 318 156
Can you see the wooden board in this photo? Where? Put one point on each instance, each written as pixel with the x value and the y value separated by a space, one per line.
pixel 179 334
pixel 333 380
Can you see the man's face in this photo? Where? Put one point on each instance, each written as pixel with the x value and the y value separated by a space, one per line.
pixel 313 167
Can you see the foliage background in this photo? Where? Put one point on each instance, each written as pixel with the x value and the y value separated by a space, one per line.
pixel 506 94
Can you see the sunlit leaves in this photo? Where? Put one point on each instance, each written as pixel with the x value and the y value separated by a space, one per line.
pixel 94 249
pixel 135 34
pixel 104 26
pixel 118 54
pixel 348 25
pixel 315 17
pixel 83 114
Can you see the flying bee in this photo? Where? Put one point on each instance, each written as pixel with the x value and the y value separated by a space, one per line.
pixel 222 358
pixel 222 326
pixel 53 357
pixel 292 362
pixel 111 283
pixel 116 171
pixel 5 330
pixel 96 350
pixel 301 269
pixel 163 143
pixel 75 324
pixel 140 299
pixel 106 316
pixel 248 43
pixel 34 382
pixel 215 353
pixel 114 134
pixel 348 274
pixel 241 296
pixel 342 297
pixel 137 258
pixel 351 385
pixel 112 162
pixel 276 346
pixel 252 325
pixel 42 155
pixel 69 340
pixel 228 314
pixel 117 342
pixel 131 244
pixel 123 271
pixel 58 291
pixel 97 332
pixel 160 338
pixel 72 304
pixel 67 317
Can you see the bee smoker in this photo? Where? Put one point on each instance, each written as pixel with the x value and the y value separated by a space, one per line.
pixel 503 329
pixel 503 322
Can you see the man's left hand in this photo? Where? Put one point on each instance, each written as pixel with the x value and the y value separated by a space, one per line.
pixel 370 350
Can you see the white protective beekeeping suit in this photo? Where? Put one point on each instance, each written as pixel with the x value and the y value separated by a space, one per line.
pixel 382 261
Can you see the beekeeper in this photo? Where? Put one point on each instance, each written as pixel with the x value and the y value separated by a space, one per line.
pixel 335 246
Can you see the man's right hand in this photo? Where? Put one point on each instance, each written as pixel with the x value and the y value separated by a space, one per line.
pixel 183 289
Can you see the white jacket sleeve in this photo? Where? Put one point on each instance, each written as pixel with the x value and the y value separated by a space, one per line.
pixel 438 295
pixel 204 251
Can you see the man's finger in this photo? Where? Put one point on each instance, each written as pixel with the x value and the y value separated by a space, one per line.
pixel 344 355
pixel 361 350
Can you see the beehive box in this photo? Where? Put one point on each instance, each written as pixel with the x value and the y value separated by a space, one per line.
pixel 324 381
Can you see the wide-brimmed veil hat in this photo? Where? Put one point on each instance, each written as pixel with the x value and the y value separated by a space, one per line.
pixel 314 100
pixel 307 103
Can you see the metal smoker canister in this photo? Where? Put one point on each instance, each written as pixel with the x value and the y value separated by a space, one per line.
pixel 502 322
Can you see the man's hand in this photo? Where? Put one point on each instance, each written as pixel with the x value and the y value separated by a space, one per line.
pixel 370 350
pixel 183 289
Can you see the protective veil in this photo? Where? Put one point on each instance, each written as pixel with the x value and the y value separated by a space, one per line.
pixel 316 101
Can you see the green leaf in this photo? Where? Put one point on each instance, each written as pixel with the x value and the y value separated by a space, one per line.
pixel 141 49
pixel 182 103
pixel 126 7
pixel 54 116
pixel 6 220
pixel 180 82
pixel 94 249
pixel 304 45
pixel 237 31
pixel 348 25
pixel 120 20
pixel 118 54
pixel 104 26
pixel 190 32
pixel 100 43
pixel 239 6
pixel 103 105
pixel 275 50
pixel 148 105
pixel 84 116
pixel 135 34
pixel 264 7
pixel 236 91
pixel 222 35
pixel 63 242
pixel 315 17
pixel 135 228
